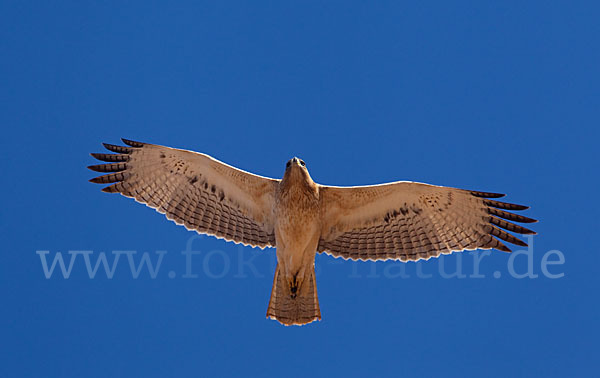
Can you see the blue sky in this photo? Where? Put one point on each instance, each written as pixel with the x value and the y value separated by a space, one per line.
pixel 493 96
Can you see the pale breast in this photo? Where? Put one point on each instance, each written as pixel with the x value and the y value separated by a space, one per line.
pixel 297 218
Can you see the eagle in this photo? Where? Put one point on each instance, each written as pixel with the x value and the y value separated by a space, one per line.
pixel 403 220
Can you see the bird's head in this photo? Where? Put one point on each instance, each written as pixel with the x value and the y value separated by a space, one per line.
pixel 295 168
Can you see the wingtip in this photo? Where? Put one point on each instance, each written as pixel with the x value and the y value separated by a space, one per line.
pixel 132 143
pixel 487 194
pixel 528 220
pixel 519 242
pixel 118 149
pixel 504 205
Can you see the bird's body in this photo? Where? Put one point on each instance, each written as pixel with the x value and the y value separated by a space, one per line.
pixel 297 236
pixel 403 220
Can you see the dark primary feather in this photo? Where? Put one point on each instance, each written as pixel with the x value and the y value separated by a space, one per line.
pixel 487 194
pixel 132 143
pixel 119 149
pixel 110 178
pixel 504 205
pixel 117 167
pixel 110 157
pixel 509 216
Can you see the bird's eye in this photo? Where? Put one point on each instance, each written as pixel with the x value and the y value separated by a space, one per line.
pixel 287 165
pixel 302 163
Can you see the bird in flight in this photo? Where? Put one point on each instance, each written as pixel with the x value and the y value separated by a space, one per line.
pixel 406 221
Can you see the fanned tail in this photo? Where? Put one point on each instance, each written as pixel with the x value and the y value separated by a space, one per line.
pixel 299 309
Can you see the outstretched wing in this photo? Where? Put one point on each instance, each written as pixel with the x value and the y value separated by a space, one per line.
pixel 412 221
pixel 193 190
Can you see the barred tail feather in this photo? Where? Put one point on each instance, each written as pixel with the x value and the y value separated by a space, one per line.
pixel 299 310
